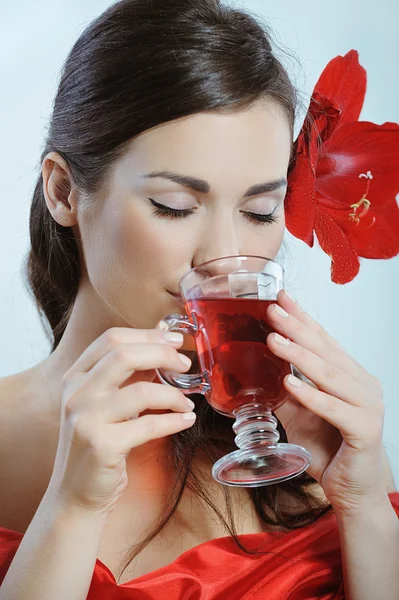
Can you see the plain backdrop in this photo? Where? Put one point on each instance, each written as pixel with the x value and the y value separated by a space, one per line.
pixel 35 38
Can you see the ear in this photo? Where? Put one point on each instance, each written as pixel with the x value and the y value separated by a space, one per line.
pixel 59 191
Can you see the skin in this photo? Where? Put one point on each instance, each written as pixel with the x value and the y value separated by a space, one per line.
pixel 129 268
pixel 129 264
pixel 132 259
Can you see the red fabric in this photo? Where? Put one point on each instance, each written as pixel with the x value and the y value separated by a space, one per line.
pixel 304 564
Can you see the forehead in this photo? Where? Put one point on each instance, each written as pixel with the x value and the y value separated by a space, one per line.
pixel 254 141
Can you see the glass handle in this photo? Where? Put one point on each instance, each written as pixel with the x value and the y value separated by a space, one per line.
pixel 188 383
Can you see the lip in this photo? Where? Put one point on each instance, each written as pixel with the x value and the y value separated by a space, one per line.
pixel 177 297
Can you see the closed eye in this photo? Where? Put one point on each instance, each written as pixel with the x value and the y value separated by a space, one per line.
pixel 174 213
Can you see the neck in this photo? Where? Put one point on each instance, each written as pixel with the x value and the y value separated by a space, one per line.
pixel 90 317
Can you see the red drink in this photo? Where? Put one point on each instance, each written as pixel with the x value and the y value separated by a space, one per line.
pixel 232 351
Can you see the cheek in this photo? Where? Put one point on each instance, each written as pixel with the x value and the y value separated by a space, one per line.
pixel 278 235
pixel 137 249
pixel 135 242
pixel 129 261
pixel 266 240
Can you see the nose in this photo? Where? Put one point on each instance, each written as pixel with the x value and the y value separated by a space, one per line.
pixel 221 265
pixel 218 240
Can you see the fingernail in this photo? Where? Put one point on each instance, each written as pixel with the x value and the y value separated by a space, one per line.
pixel 290 296
pixel 294 381
pixel 185 360
pixel 189 416
pixel 280 311
pixel 279 339
pixel 173 337
pixel 190 403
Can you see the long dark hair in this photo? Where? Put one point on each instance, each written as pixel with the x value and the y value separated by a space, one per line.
pixel 140 64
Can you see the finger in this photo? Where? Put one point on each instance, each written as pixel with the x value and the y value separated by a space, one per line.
pixel 121 362
pixel 292 307
pixel 314 338
pixel 326 376
pixel 134 399
pixel 114 337
pixel 132 434
pixel 354 425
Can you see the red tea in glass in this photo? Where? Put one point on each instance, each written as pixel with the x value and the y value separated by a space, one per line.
pixel 232 351
pixel 226 301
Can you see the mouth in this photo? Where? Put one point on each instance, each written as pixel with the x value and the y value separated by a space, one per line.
pixel 177 297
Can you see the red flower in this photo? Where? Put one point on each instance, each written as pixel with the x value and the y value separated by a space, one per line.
pixel 345 177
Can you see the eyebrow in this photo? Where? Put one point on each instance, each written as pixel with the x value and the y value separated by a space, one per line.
pixel 202 186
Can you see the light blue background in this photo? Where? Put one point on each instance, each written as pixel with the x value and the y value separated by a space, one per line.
pixel 34 41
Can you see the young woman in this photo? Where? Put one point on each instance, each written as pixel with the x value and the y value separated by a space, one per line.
pixel 170 144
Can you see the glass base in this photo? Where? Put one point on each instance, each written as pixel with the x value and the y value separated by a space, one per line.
pixel 257 467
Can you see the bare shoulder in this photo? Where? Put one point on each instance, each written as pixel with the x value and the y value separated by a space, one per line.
pixel 18 404
pixel 26 450
pixel 11 406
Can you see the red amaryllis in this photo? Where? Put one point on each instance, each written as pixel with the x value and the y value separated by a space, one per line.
pixel 345 175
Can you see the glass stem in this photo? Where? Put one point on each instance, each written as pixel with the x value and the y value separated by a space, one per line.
pixel 255 427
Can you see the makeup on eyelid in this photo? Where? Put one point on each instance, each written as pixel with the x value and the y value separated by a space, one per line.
pixel 169 212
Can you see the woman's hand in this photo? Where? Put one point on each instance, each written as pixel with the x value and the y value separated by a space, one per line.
pixel 110 405
pixel 341 420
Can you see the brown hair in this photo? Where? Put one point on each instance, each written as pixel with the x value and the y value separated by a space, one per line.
pixel 140 64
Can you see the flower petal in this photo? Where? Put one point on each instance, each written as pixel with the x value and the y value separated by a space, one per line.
pixel 379 240
pixel 344 261
pixel 354 149
pixel 300 202
pixel 300 199
pixel 375 235
pixel 346 174
pixel 344 82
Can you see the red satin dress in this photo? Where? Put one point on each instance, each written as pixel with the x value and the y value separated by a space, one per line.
pixel 304 564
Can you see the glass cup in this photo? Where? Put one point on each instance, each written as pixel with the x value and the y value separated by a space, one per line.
pixel 226 301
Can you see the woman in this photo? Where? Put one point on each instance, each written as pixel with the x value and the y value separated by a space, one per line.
pixel 167 114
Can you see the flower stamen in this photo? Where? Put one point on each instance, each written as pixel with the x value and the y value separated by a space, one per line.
pixel 363 201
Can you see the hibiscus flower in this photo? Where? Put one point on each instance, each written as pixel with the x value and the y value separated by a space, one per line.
pixel 344 179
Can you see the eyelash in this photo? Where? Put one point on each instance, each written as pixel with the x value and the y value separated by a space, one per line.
pixel 173 213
